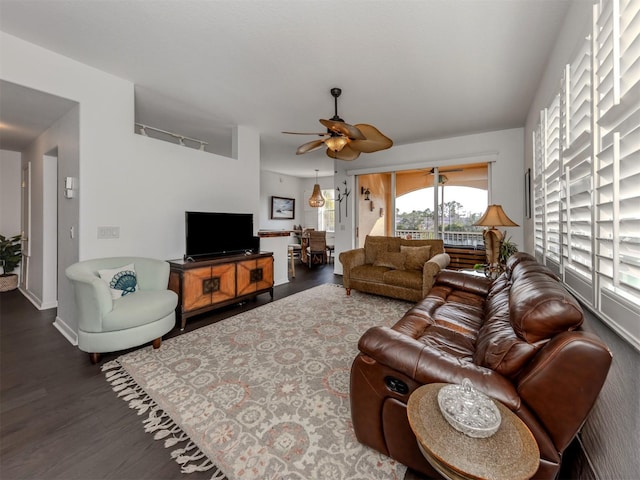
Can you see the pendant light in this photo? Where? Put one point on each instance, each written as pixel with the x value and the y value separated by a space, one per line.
pixel 316 199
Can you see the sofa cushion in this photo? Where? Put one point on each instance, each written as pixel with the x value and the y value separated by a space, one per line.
pixel 404 278
pixel 393 260
pixel 373 246
pixel 540 307
pixel 369 273
pixel 146 306
pixel 497 346
pixel 415 257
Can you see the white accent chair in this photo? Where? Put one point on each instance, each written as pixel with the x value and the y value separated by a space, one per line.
pixel 108 325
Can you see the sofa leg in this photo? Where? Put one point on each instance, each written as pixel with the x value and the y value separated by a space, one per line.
pixel 348 291
pixel 157 342
pixel 94 358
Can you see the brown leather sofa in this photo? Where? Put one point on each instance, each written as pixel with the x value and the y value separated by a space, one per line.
pixel 518 340
pixel 393 267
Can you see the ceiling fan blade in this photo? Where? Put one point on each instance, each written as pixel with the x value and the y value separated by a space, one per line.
pixel 441 171
pixel 375 139
pixel 306 133
pixel 347 153
pixel 343 129
pixel 307 147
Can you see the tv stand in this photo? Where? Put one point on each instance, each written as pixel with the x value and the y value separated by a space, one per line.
pixel 206 284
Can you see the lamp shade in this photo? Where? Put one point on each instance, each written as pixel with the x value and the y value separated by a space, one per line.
pixel 316 199
pixel 494 216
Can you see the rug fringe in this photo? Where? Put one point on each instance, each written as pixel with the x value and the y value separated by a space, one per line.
pixel 159 422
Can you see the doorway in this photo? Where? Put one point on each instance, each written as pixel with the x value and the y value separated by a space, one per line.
pixel 424 203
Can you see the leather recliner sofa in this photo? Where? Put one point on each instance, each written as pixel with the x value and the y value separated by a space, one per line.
pixel 518 340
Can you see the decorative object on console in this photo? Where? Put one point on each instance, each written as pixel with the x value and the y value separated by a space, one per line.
pixel 316 199
pixel 10 256
pixel 344 141
pixel 494 217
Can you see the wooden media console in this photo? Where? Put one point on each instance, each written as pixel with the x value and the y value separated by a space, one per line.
pixel 204 285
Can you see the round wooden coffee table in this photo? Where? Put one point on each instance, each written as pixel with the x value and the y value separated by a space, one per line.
pixel 510 454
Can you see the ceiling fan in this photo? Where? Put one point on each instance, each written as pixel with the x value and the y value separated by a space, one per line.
pixel 344 141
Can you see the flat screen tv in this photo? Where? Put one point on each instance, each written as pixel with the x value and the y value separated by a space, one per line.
pixel 213 234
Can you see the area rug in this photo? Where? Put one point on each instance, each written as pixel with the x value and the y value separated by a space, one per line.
pixel 263 394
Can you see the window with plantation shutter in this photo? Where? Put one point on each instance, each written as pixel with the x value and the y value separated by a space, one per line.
pixel 617 172
pixel 586 163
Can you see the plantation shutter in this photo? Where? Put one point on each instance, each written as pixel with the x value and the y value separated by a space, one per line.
pixel 552 181
pixel 618 163
pixel 577 168
pixel 538 188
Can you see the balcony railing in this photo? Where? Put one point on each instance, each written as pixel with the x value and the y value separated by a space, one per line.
pixel 467 239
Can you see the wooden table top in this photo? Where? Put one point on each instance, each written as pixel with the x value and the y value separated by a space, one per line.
pixel 510 454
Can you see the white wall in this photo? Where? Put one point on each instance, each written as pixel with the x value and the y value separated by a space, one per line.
pixel 504 148
pixel 276 184
pixel 137 183
pixel 610 435
pixel 10 179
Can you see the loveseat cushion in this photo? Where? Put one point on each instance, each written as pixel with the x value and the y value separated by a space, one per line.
pixel 393 260
pixel 415 257
pixel 373 246
pixel 369 273
pixel 403 278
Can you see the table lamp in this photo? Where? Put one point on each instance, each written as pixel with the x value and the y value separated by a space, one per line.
pixel 494 217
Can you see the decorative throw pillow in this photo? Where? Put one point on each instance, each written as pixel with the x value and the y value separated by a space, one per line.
pixel 415 257
pixel 122 281
pixel 393 260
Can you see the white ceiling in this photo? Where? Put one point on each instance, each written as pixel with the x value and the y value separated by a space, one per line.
pixel 417 70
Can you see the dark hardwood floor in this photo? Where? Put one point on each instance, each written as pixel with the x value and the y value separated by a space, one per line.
pixel 59 418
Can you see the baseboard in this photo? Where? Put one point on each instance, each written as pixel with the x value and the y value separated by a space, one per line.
pixel 37 302
pixel 576 463
pixel 66 331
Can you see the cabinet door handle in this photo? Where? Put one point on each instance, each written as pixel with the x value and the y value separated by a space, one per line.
pixel 255 275
pixel 211 285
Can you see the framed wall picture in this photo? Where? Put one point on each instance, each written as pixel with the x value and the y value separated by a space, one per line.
pixel 283 208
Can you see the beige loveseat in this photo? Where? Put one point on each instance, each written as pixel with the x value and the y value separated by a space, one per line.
pixel 394 267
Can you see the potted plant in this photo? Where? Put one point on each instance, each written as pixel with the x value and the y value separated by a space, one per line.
pixel 507 249
pixel 10 256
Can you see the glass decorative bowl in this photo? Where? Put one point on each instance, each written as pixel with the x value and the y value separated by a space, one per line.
pixel 468 410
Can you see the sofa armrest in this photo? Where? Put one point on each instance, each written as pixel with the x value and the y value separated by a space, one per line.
pixel 431 269
pixel 426 364
pixel 562 382
pixel 465 282
pixel 350 259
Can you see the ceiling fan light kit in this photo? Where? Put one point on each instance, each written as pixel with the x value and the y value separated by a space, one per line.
pixel 344 141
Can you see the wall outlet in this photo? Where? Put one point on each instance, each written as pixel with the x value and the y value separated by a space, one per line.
pixel 108 232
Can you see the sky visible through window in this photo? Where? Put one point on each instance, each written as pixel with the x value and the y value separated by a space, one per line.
pixel 473 200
